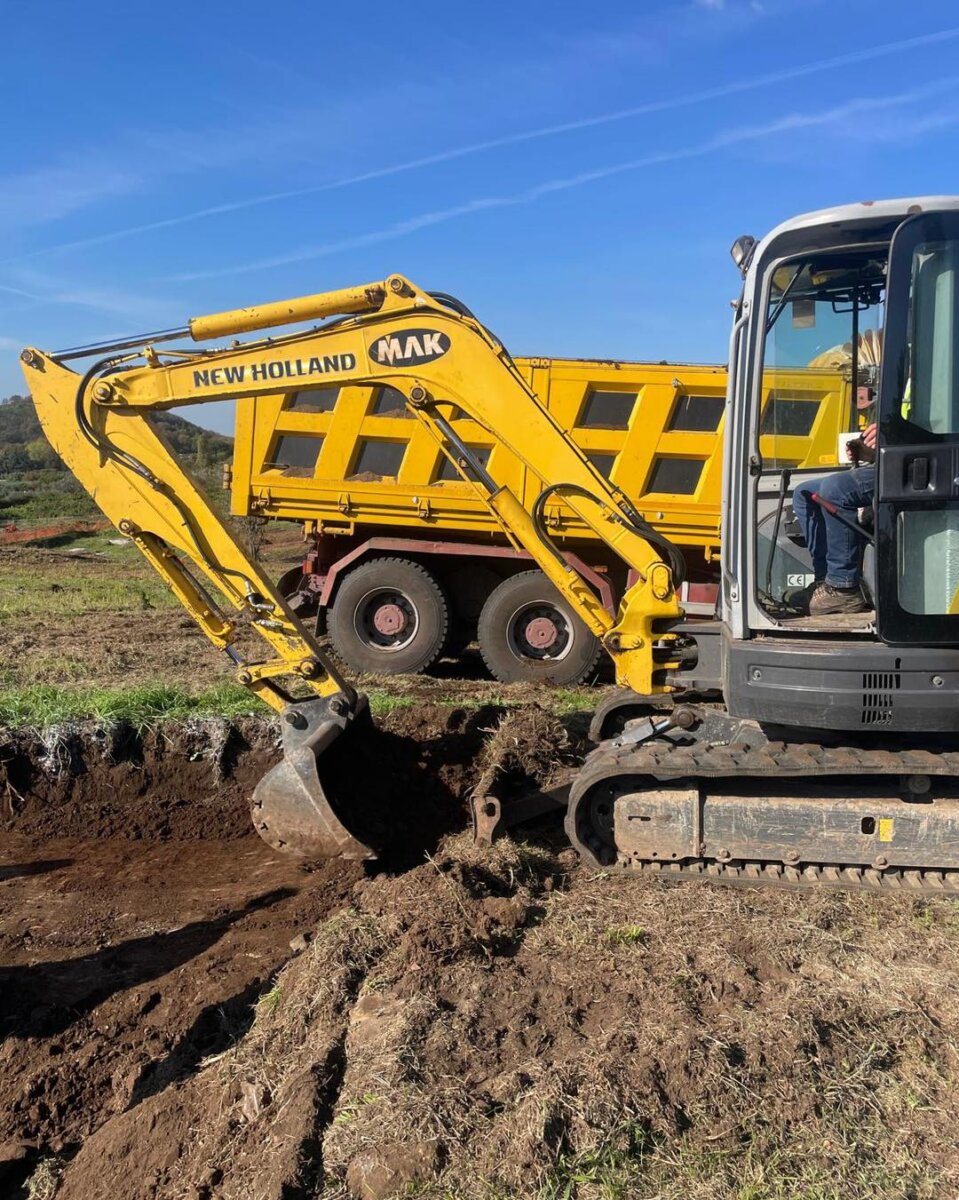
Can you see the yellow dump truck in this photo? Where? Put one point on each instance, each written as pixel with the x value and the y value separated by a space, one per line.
pixel 405 561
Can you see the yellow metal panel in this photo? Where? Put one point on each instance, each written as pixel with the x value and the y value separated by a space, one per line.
pixel 418 502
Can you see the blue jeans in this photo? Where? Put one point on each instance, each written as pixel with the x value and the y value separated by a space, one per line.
pixel 836 549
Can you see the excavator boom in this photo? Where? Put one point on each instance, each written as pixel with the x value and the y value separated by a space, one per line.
pixel 439 358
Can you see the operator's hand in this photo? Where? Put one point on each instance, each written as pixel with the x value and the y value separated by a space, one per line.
pixel 863 448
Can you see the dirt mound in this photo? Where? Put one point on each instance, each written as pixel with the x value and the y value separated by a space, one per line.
pixel 197 1018
pixel 136 950
pixel 503 1025
pixel 125 963
pixel 529 748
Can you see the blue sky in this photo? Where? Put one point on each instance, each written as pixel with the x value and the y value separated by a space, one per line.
pixel 574 172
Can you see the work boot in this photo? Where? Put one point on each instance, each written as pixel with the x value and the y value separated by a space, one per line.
pixel 829 601
pixel 798 598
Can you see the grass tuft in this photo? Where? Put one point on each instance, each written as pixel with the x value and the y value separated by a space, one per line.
pixel 271 1001
pixel 45 1180
pixel 626 935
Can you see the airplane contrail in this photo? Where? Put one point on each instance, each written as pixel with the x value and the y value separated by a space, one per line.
pixel 732 88
pixel 719 141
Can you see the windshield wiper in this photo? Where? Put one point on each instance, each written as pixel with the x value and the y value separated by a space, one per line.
pixel 781 304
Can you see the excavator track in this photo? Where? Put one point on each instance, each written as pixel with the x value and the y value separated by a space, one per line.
pixel 614 770
pixel 809 875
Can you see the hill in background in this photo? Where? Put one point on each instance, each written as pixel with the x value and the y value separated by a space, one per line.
pixel 34 483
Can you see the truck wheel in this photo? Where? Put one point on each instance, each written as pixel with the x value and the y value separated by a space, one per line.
pixel 528 633
pixel 389 616
pixel 302 601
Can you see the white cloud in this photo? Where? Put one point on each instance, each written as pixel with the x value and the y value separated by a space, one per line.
pixel 42 289
pixel 49 193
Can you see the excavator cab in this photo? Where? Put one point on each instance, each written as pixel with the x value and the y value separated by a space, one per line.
pixel 873 291
pixel 832 757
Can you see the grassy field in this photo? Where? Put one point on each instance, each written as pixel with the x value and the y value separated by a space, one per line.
pixel 33 582
pixel 89 631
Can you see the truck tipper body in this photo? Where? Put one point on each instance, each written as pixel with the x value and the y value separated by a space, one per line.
pixel 371 485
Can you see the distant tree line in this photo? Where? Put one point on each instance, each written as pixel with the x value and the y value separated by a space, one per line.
pixel 23 447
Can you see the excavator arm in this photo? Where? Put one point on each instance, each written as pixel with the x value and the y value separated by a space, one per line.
pixel 437 355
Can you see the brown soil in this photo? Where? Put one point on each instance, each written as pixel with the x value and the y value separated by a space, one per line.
pixel 503 1027
pixel 190 780
pixel 65 638
pixel 140 918
pixel 469 1024
pixel 404 782
pixel 105 649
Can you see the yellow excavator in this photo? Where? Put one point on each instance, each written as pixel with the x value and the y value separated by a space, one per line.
pixel 829 756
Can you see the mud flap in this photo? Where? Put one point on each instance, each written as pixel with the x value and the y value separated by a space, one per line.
pixel 291 809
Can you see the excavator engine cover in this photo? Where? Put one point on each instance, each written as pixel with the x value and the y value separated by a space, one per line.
pixel 291 809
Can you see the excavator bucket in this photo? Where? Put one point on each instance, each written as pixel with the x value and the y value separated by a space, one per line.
pixel 293 804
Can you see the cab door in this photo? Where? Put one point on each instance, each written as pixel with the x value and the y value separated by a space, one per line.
pixel 917 488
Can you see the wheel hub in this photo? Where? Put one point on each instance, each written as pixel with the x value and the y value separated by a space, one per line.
pixel 389 619
pixel 386 619
pixel 542 633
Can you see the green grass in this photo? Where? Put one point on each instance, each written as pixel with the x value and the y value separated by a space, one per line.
pixel 573 700
pixel 561 701
pixel 271 1001
pixel 24 591
pixel 765 1164
pixel 626 935
pixel 383 702
pixel 43 704
pixel 610 1170
pixel 40 705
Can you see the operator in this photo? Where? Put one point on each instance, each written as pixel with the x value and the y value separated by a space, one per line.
pixel 835 547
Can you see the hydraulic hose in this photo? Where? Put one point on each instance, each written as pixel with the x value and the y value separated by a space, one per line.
pixel 671 554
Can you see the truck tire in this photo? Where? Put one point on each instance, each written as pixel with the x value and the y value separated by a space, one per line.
pixel 529 634
pixel 302 601
pixel 389 616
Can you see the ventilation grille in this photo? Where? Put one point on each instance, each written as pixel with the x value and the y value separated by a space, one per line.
pixel 878 695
